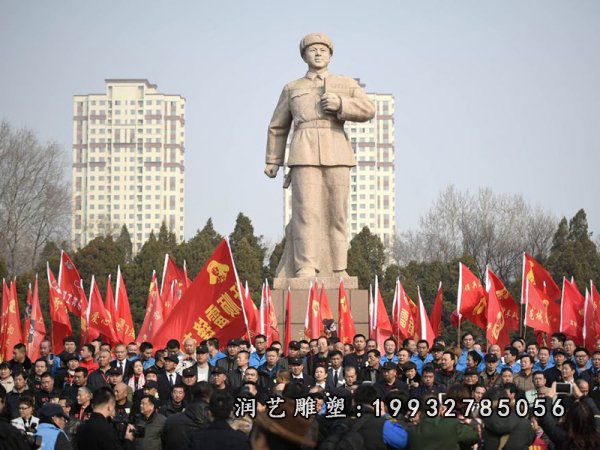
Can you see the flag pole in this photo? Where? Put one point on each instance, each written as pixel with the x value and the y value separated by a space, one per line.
pixel 458 301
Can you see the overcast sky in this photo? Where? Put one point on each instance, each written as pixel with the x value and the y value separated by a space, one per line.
pixel 502 94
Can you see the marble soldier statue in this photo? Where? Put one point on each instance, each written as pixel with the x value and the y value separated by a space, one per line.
pixel 319 160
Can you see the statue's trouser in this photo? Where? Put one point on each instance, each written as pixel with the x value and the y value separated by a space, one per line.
pixel 320 213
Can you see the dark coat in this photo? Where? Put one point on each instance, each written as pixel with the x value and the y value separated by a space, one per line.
pixel 10 437
pixel 228 364
pixel 218 436
pixel 153 433
pixel 128 368
pixel 96 380
pixel 164 386
pixel 521 435
pixel 180 427
pixel 441 433
pixel 97 434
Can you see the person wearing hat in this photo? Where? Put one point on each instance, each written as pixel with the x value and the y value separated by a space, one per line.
pixel 554 373
pixel 389 381
pixel 296 366
pixel 471 377
pixel 168 378
pixel 229 362
pixel 50 428
pixel 320 157
pixel 202 367
pixel 436 352
pixel 220 380
pixel 490 376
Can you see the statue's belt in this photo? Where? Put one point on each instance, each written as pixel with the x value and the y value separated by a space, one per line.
pixel 320 123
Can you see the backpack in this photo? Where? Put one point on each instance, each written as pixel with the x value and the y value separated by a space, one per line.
pixel 345 436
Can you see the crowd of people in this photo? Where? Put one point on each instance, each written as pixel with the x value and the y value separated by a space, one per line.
pixel 318 393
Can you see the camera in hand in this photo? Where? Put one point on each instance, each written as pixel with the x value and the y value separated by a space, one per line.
pixel 121 425
pixel 564 388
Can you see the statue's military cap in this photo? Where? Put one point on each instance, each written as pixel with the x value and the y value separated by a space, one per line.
pixel 315 38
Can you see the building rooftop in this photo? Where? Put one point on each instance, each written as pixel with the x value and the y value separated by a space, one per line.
pixel 131 80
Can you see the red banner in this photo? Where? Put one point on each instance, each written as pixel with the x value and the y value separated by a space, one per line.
pixel 508 304
pixel 536 312
pixel 123 321
pixel 34 328
pixel 313 321
pixel 288 320
pixel 61 325
pixel 211 307
pixel 11 320
pixel 346 328
pixel 471 298
pixel 436 312
pixel 497 317
pixel 381 320
pixel 251 312
pixel 539 277
pixel 572 312
pixel 98 318
pixel 427 332
pixel 154 311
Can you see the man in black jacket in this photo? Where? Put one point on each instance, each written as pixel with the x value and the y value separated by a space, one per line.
pixel 179 427
pixel 97 433
pixel 372 372
pixel 219 434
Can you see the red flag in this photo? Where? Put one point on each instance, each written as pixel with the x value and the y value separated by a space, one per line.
pixel 123 321
pixel 539 277
pixel 288 320
pixel 263 312
pixel 572 311
pixel 381 320
pixel 497 318
pixel 436 312
pixel 326 315
pixel 61 325
pixel 188 282
pixel 34 329
pixel 251 314
pixel 109 301
pixel 71 286
pixel 313 321
pixel 425 326
pixel 371 323
pixel 11 330
pixel 536 309
pixel 271 318
pixel 346 328
pixel 396 310
pixel 211 307
pixel 508 304
pixel 99 320
pixel 172 273
pixel 595 301
pixel 408 325
pixel 454 319
pixel 589 330
pixel 153 304
pixel 471 298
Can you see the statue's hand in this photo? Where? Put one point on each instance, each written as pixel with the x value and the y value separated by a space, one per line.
pixel 331 103
pixel 271 170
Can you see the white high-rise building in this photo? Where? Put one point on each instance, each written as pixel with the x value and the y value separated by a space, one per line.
pixel 128 162
pixel 372 199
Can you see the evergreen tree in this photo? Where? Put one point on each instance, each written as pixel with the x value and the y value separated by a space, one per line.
pixel 274 259
pixel 198 249
pixel 3 272
pixel 124 242
pixel 248 253
pixel 100 257
pixel 573 252
pixel 366 258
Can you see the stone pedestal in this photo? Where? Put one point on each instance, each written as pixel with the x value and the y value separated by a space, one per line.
pixel 358 300
pixel 303 283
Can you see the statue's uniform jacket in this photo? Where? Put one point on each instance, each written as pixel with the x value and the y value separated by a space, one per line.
pixel 320 156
